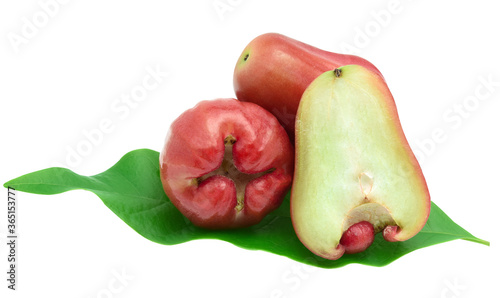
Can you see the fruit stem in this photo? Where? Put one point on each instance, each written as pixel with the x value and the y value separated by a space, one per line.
pixel 337 72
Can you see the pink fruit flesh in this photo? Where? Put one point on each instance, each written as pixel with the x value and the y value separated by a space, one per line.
pixel 358 237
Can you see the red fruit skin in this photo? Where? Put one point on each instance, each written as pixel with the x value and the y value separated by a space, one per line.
pixel 391 232
pixel 195 147
pixel 358 237
pixel 277 71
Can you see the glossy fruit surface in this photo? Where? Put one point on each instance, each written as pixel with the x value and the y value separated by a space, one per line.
pixel 274 70
pixel 226 163
pixel 353 163
pixel 358 237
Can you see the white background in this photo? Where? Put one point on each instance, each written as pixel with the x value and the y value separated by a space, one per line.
pixel 68 73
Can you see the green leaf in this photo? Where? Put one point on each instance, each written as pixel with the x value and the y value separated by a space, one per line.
pixel 132 190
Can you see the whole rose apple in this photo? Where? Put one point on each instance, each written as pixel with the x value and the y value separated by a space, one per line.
pixel 274 70
pixel 226 163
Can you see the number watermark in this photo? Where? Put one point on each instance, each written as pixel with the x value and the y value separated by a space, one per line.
pixel 12 241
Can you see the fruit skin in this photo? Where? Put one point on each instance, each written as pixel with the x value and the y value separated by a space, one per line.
pixel 274 70
pixel 353 163
pixel 358 237
pixel 226 163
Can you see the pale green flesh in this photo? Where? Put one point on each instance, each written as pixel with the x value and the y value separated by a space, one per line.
pixel 353 162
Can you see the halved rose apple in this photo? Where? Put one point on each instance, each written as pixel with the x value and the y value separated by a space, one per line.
pixel 353 166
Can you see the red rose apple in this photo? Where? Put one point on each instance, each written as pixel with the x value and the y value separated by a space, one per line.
pixel 274 70
pixel 226 164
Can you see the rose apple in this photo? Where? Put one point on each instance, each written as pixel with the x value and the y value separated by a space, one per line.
pixel 226 163
pixel 274 70
pixel 355 173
